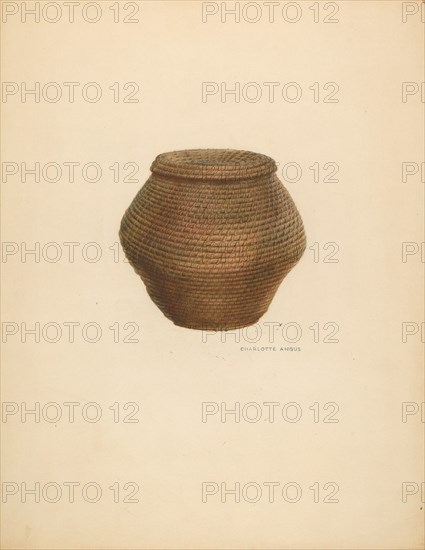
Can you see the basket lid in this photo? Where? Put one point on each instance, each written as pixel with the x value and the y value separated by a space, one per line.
pixel 213 164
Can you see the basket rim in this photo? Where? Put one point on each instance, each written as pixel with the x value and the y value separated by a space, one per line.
pixel 213 164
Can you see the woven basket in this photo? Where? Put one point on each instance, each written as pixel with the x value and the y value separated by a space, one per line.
pixel 212 234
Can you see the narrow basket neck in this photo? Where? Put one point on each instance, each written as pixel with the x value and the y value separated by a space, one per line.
pixel 213 164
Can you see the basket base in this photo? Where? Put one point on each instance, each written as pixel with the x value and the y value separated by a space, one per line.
pixel 220 307
pixel 214 327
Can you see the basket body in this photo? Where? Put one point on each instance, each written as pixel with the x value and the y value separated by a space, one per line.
pixel 212 234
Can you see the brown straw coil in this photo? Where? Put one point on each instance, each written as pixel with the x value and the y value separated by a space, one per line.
pixel 212 233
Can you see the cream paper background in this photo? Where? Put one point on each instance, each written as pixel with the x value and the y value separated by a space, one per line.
pixel 171 371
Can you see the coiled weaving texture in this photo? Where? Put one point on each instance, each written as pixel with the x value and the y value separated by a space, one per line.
pixel 212 233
